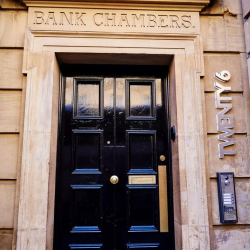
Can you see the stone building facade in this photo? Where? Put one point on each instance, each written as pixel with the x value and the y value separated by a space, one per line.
pixel 194 39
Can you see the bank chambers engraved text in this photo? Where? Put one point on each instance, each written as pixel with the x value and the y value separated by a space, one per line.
pixel 119 19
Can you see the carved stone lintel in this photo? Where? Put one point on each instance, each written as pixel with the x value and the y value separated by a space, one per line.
pixel 127 21
pixel 191 5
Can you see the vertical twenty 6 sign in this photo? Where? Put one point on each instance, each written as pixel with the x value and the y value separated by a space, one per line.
pixel 225 122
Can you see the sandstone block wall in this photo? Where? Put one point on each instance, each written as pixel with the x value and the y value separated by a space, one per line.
pixel 225 47
pixel 222 27
pixel 13 22
pixel 246 16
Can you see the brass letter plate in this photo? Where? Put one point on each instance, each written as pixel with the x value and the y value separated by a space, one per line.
pixel 142 179
pixel 162 176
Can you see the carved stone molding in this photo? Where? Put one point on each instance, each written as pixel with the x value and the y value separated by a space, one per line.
pixel 191 5
pixel 116 21
pixel 44 49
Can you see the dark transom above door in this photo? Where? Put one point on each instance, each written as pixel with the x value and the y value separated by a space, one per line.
pixel 111 189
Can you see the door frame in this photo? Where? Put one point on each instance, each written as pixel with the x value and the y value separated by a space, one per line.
pixel 165 93
pixel 183 53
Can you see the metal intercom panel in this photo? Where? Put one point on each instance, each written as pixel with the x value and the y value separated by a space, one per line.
pixel 227 199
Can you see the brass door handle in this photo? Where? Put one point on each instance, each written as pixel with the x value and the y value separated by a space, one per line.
pixel 114 179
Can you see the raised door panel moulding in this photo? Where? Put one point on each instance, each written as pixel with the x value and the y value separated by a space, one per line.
pixel 191 5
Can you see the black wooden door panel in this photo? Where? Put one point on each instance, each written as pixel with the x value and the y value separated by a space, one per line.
pixel 86 208
pixel 85 246
pixel 87 151
pixel 143 246
pixel 141 146
pixel 142 212
pixel 110 126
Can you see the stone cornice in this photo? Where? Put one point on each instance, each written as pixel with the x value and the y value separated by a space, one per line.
pixel 181 5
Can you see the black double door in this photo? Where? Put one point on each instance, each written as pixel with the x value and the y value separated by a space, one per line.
pixel 113 141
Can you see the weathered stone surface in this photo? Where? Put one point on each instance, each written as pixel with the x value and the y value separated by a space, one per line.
pixel 232 6
pixel 8 155
pixel 216 8
pixel 246 7
pixel 235 33
pixel 224 6
pixel 239 164
pixel 10 109
pixel 231 237
pixel 11 69
pixel 247 34
pixel 36 239
pixel 37 162
pixel 6 241
pixel 213 33
pixel 245 76
pixel 7 197
pixel 12 4
pixel 238 112
pixel 217 63
pixel 12 28
pixel 248 66
pixel 223 33
pixel 242 189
